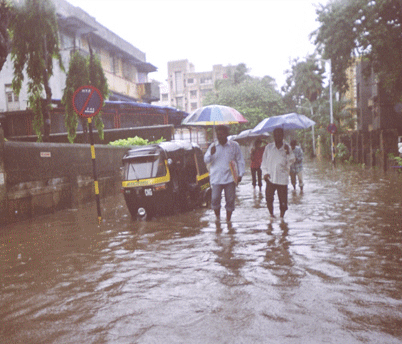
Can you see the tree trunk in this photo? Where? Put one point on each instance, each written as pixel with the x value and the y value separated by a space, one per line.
pixel 48 100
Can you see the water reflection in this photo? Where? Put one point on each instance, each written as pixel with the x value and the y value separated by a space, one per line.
pixel 331 271
pixel 226 256
pixel 259 199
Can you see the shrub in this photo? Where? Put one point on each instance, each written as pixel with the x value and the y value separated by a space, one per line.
pixel 134 141
pixel 342 152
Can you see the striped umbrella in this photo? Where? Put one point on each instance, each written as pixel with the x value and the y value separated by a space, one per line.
pixel 214 115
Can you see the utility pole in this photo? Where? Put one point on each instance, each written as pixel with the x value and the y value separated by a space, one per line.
pixel 331 111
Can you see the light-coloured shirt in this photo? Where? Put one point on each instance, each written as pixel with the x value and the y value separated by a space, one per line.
pixel 219 170
pixel 297 166
pixel 276 163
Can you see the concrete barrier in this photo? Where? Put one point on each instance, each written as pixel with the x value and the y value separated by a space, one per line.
pixel 40 178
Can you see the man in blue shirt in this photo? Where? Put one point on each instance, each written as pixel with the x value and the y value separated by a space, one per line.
pixel 220 155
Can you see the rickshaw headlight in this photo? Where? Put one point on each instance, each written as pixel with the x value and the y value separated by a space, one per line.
pixel 141 212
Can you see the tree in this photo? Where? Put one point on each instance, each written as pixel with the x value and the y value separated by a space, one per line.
pixel 306 94
pixel 35 43
pixel 304 81
pixel 370 29
pixel 77 76
pixel 254 98
pixel 5 16
pixel 83 71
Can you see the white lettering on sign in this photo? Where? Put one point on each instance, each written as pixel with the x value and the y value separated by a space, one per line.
pixel 45 154
pixel 1 178
pixel 86 90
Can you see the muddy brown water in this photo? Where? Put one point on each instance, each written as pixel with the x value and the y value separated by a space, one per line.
pixel 331 272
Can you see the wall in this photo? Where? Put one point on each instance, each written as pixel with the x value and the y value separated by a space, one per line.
pixel 40 178
pixel 150 133
pixel 372 147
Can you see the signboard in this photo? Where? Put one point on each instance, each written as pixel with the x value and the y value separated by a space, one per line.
pixel 332 128
pixel 87 101
pixel 45 154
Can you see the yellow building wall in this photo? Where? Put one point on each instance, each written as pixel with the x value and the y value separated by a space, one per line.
pixel 117 83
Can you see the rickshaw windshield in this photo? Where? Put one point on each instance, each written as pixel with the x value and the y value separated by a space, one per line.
pixel 145 167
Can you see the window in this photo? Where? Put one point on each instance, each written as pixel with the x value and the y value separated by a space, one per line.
pixel 205 81
pixel 11 98
pixel 193 94
pixel 179 82
pixel 144 167
pixel 165 97
pixel 179 102
pixel 206 91
pixel 194 106
pixel 112 63
pixel 190 81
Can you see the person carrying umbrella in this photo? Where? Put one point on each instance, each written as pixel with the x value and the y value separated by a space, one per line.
pixel 220 155
pixel 275 166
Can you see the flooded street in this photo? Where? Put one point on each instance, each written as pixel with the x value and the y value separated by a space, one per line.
pixel 331 272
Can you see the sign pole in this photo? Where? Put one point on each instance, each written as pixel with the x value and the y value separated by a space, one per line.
pixel 87 102
pixel 96 184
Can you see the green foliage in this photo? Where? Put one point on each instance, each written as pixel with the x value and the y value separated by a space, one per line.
pixel 304 81
pixel 34 33
pixel 83 71
pixel 254 98
pixel 77 76
pixel 134 141
pixel 362 28
pixel 98 79
pixel 397 159
pixel 342 152
pixel 5 16
pixel 306 95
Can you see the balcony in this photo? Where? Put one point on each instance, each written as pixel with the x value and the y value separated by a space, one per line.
pixel 122 86
pixel 148 92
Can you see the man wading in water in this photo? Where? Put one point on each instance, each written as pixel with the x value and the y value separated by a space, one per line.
pixel 275 166
pixel 220 155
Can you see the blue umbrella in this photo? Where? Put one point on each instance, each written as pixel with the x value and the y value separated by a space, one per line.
pixel 248 136
pixel 289 121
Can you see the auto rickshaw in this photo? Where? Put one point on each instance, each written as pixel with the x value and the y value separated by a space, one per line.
pixel 165 178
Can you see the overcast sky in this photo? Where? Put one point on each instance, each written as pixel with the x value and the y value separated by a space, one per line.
pixel 263 34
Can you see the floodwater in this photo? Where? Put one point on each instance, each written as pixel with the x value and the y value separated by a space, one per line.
pixel 331 272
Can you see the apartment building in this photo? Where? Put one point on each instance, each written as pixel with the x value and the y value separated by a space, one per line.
pixel 124 65
pixel 164 95
pixel 188 88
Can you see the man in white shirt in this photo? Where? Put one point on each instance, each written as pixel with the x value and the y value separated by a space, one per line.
pixel 219 155
pixel 275 166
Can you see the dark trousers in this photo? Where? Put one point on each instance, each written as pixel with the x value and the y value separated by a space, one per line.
pixel 282 195
pixel 256 173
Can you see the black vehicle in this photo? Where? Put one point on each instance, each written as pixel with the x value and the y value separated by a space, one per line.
pixel 164 178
